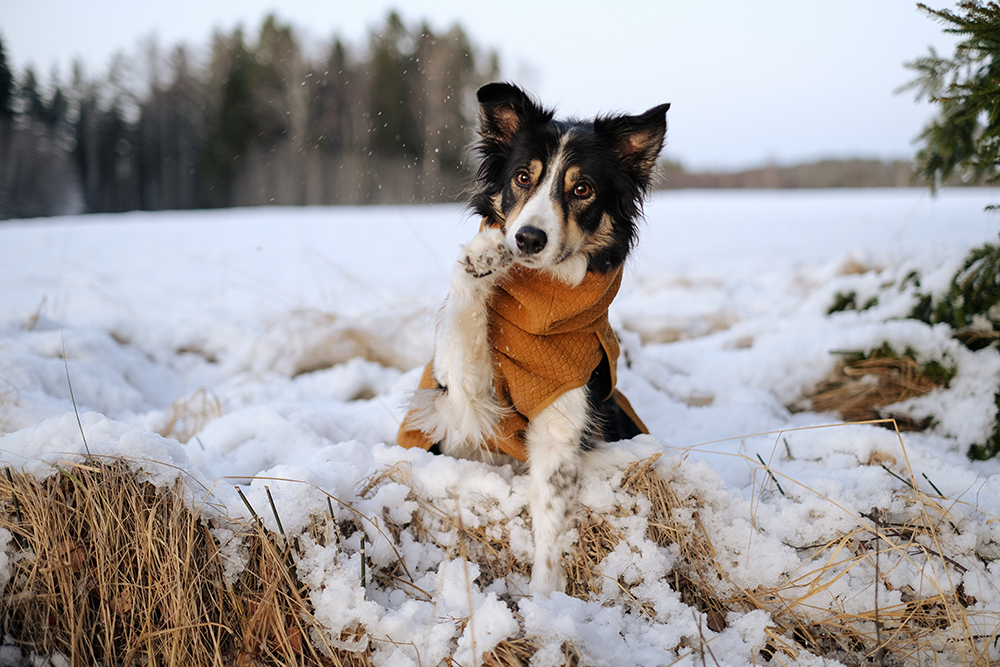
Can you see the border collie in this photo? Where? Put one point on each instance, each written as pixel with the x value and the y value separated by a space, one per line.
pixel 524 360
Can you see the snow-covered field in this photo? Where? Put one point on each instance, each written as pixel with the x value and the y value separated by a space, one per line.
pixel 279 344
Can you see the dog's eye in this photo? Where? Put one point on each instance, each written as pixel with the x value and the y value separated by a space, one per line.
pixel 523 179
pixel 583 190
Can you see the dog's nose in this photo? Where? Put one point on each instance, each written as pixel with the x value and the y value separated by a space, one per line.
pixel 530 240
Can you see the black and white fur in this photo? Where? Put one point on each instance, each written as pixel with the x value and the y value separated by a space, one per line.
pixel 562 197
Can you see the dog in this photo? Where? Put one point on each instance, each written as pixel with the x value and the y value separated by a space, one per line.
pixel 524 357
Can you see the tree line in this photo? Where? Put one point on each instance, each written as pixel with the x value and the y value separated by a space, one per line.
pixel 257 123
pixel 830 173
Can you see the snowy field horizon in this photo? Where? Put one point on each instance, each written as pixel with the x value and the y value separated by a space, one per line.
pixel 299 331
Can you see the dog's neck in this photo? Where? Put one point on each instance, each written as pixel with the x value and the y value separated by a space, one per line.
pixel 542 304
pixel 571 271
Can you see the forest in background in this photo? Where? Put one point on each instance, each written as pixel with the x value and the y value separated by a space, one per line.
pixel 257 121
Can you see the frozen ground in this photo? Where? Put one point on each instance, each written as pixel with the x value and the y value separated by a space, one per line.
pixel 279 344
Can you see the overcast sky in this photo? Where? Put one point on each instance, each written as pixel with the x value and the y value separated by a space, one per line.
pixel 749 81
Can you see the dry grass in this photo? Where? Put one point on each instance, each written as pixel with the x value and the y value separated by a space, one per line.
pixel 699 568
pixel 488 545
pixel 596 539
pixel 190 415
pixel 861 387
pixel 107 568
pixel 307 340
pixel 920 544
pixel 511 653
pixel 918 627
pixel 913 630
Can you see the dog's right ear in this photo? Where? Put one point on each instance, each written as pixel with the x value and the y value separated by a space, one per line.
pixel 503 110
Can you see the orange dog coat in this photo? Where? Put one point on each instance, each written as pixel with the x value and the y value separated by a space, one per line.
pixel 546 338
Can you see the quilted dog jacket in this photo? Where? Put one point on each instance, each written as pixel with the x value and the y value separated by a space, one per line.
pixel 546 338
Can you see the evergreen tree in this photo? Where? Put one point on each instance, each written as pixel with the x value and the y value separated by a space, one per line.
pixel 6 86
pixel 185 130
pixel 446 72
pixel 965 138
pixel 332 122
pixel 231 120
pixel 395 132
pixel 31 96
pixel 6 135
pixel 171 134
pixel 277 65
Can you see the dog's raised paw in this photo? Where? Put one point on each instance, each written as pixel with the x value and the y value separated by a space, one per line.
pixel 487 253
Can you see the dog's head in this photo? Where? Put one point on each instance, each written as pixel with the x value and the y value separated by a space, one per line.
pixel 567 194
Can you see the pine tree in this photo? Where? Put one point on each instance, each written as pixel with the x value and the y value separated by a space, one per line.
pixel 231 121
pixel 964 139
pixel 394 132
pixel 6 86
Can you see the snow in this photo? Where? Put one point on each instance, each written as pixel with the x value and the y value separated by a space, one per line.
pixel 296 334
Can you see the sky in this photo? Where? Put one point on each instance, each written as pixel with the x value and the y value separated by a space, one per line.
pixel 750 83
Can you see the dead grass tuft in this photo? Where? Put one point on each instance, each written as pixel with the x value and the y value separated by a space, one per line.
pixel 188 416
pixel 863 385
pixel 308 340
pixel 108 569
pixel 511 653
pixel 596 539
pixel 654 330
pixel 694 576
pixel 487 544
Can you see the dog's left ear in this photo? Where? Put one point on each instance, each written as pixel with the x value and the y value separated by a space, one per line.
pixel 638 140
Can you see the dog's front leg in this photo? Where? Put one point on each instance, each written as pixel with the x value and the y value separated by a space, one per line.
pixel 463 365
pixel 554 456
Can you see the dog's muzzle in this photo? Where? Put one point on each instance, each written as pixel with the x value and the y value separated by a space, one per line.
pixel 530 240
